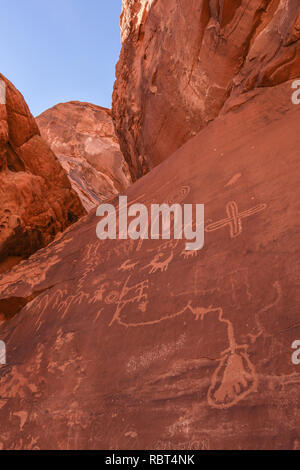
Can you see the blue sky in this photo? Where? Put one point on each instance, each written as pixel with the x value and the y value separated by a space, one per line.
pixel 60 50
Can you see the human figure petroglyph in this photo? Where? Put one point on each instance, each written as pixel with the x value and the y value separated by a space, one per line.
pixel 98 296
pixel 234 219
pixel 91 256
pixel 62 302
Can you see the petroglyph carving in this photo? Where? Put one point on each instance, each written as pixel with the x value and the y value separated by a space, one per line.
pixel 235 377
pixel 99 293
pixel 127 266
pixel 179 196
pixel 176 198
pixel 113 297
pixel 233 380
pixel 129 295
pixel 234 219
pixel 266 308
pixel 189 254
pixel 160 263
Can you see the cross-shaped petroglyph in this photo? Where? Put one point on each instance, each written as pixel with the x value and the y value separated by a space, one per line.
pixel 234 219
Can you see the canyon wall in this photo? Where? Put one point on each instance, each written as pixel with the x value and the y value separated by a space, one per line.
pixel 36 199
pixel 183 62
pixel 124 344
pixel 141 344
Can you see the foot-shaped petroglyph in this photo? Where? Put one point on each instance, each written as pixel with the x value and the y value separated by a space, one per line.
pixel 234 379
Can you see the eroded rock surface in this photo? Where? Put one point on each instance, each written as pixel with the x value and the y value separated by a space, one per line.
pixel 142 345
pixel 36 199
pixel 183 61
pixel 83 138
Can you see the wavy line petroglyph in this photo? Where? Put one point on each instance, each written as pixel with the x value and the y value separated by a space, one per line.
pixel 266 308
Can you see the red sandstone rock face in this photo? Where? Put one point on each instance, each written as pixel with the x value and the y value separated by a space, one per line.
pixel 36 199
pixel 83 138
pixel 182 62
pixel 129 345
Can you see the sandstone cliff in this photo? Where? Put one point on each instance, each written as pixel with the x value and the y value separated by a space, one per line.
pixel 36 199
pixel 130 345
pixel 183 62
pixel 141 344
pixel 82 137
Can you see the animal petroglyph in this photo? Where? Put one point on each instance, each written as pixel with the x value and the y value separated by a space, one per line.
pixel 127 266
pixel 189 254
pixel 234 219
pixel 160 263
pixel 176 198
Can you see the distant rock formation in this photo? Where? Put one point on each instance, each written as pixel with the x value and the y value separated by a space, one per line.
pixel 183 62
pixel 36 199
pixel 83 138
